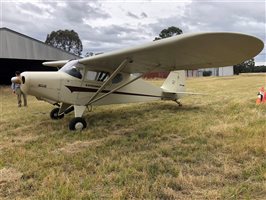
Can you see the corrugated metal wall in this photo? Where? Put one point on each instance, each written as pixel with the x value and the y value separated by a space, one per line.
pixel 17 46
pixel 19 52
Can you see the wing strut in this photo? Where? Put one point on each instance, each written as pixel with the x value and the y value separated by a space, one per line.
pixel 117 88
pixel 118 69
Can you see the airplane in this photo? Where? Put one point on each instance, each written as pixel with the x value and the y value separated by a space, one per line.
pixel 115 77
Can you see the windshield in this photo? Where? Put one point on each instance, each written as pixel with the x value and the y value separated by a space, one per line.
pixel 71 69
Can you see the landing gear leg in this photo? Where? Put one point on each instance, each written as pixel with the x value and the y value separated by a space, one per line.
pixel 54 114
pixel 179 103
pixel 78 123
pixel 58 113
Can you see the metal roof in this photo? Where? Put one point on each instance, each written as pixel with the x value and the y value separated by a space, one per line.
pixel 14 45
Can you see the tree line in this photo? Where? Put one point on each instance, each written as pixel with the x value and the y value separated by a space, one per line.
pixel 248 67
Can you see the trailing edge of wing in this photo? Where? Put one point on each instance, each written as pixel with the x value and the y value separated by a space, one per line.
pixel 187 51
pixel 59 63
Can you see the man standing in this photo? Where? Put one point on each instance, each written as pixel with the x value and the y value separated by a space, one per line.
pixel 16 89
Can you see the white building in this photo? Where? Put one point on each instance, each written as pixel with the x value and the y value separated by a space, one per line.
pixel 221 71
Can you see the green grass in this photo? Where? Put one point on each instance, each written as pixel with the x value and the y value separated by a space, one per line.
pixel 214 147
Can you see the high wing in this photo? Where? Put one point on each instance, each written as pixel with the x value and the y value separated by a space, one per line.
pixel 187 51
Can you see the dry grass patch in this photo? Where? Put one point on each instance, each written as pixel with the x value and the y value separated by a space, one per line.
pixel 9 182
pixel 79 146
pixel 9 175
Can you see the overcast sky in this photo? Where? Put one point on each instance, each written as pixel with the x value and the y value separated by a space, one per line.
pixel 108 25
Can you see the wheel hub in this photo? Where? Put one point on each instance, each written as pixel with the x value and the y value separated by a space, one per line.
pixel 79 126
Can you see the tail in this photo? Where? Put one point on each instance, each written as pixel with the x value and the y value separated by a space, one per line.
pixel 175 82
pixel 174 85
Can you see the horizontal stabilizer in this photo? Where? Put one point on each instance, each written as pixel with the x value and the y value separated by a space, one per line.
pixel 191 93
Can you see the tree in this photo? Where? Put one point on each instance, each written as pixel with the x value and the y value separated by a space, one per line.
pixel 169 32
pixel 89 54
pixel 68 40
pixel 245 67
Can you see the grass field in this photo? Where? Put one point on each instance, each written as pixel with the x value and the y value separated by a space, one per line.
pixel 214 147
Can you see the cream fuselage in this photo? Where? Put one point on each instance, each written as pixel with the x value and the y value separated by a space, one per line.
pixel 56 87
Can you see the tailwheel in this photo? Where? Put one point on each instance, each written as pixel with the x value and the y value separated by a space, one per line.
pixel 54 114
pixel 77 123
pixel 179 103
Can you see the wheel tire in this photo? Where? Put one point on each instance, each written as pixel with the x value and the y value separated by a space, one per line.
pixel 77 123
pixel 54 114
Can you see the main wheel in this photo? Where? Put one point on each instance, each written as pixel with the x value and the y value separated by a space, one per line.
pixel 77 123
pixel 54 114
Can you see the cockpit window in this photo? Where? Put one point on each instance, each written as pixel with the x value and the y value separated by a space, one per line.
pixel 71 69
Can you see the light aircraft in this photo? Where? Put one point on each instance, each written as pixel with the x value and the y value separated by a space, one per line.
pixel 108 78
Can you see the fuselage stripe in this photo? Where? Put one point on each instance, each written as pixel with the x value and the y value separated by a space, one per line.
pixel 83 89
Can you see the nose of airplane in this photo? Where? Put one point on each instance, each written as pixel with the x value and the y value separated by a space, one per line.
pixel 25 82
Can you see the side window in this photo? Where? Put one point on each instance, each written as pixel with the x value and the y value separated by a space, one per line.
pixel 91 75
pixel 97 76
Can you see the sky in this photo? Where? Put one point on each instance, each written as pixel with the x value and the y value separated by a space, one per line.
pixel 106 25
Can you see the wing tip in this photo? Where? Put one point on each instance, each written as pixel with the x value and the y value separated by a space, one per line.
pixel 58 63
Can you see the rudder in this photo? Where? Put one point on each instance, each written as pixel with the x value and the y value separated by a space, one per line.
pixel 175 82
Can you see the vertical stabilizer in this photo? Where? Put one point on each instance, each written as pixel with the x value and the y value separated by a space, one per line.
pixel 175 82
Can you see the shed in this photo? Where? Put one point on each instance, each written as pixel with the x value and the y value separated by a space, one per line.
pixel 20 52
